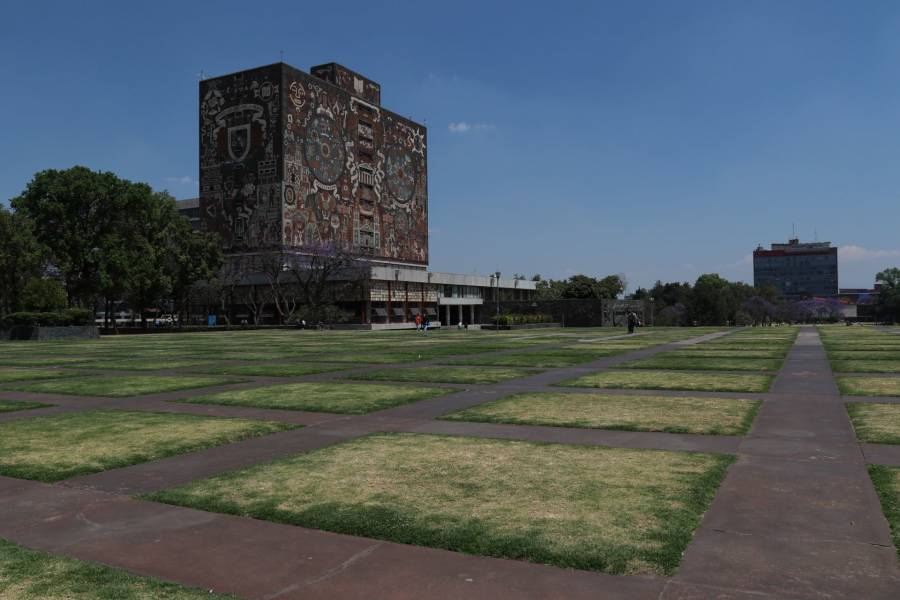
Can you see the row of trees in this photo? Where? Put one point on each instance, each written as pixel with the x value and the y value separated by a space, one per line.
pixel 77 237
pixel 579 287
pixel 713 300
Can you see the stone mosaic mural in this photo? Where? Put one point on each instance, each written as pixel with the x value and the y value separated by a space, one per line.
pixel 288 158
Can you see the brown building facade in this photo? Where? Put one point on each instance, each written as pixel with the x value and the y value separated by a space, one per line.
pixel 300 161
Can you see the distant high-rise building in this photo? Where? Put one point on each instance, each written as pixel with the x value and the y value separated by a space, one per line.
pixel 798 269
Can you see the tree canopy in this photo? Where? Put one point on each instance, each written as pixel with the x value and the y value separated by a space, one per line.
pixel 101 237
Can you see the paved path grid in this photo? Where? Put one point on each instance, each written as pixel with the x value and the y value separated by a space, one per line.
pixel 796 517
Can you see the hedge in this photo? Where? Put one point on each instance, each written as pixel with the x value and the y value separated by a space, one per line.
pixel 514 319
pixel 71 316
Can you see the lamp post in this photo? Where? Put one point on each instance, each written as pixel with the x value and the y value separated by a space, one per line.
pixel 497 275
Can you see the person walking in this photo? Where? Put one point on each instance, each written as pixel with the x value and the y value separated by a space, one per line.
pixel 418 323
pixel 425 325
pixel 632 321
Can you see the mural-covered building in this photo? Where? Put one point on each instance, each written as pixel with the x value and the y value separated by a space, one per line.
pixel 300 160
pixel 294 161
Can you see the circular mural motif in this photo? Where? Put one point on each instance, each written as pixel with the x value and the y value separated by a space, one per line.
pixel 400 173
pixel 324 149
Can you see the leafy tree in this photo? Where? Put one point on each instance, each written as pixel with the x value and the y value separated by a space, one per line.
pixel 193 256
pixel 76 213
pixel 611 286
pixel 889 293
pixel 710 301
pixel 22 258
pixel 43 294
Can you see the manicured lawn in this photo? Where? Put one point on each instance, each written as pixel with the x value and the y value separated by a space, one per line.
pixel 604 509
pixel 29 575
pixel 14 405
pixel 674 380
pixel 11 375
pixel 484 375
pixel 701 352
pixel 60 446
pixel 869 386
pixel 120 387
pixel 543 360
pixel 39 362
pixel 273 370
pixel 863 355
pixel 705 364
pixel 630 413
pixel 141 364
pixel 876 423
pixel 887 483
pixel 348 398
pixel 866 366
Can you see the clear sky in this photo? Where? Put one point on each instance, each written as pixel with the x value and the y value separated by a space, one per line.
pixel 656 139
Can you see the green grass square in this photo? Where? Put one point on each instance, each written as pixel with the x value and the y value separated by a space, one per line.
pixel 443 374
pixel 114 386
pixel 15 405
pixel 272 370
pixel 638 379
pixel 55 447
pixel 887 483
pixel 704 363
pixel 27 574
pixel 10 375
pixel 346 398
pixel 869 385
pixel 606 509
pixel 875 423
pixel 714 416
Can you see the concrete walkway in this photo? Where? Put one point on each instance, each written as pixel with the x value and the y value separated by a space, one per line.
pixel 796 517
pixel 799 518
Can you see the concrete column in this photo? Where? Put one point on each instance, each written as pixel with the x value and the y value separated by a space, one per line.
pixel 471 314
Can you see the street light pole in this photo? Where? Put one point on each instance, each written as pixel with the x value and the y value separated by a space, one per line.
pixel 497 274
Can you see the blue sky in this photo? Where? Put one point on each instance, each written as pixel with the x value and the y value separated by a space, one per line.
pixel 656 139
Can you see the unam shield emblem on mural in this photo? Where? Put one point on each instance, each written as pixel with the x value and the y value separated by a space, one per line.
pixel 239 142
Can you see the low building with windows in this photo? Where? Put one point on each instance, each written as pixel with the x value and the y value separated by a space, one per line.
pixel 798 270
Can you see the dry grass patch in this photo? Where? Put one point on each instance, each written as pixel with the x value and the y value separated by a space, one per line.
pixel 673 380
pixel 614 510
pixel 715 416
pixel 29 575
pixel 347 398
pixel 60 446
pixel 877 423
pixel 869 386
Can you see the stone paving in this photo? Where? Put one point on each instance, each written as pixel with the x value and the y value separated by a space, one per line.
pixel 796 517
